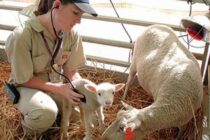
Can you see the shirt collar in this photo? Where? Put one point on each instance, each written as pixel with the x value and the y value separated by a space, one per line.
pixel 37 26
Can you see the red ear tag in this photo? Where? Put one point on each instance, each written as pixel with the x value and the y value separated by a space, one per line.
pixel 129 135
pixel 128 130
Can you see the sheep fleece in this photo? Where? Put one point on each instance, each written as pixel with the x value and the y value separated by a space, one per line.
pixel 168 71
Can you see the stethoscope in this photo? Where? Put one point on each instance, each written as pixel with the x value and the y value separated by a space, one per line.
pixel 52 63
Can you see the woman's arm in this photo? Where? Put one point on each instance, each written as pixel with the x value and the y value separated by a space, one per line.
pixel 72 75
pixel 63 89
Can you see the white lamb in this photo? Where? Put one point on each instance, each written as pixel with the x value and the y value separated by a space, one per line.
pixel 171 74
pixel 97 96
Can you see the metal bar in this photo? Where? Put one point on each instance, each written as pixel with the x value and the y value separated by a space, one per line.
pixel 87 39
pixel 102 18
pixel 205 72
pixel 108 61
pixel 7 27
pixel 89 57
pixel 109 42
pixel 129 21
pixel 208 105
pixel 205 125
pixel 205 62
pixel 2 42
pixel 114 43
pixel 5 6
pixel 206 108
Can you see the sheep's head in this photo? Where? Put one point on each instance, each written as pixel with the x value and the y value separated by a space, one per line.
pixel 125 126
pixel 104 92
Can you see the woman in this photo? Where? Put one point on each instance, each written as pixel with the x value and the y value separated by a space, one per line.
pixel 32 47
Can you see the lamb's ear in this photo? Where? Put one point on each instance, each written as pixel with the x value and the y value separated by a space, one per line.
pixel 126 106
pixel 91 88
pixel 118 87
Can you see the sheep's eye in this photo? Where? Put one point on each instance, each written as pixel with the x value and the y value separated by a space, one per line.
pixel 99 94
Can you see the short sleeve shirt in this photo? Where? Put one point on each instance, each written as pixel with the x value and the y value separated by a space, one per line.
pixel 29 56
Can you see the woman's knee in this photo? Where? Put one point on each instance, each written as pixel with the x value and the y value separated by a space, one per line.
pixel 40 119
pixel 38 108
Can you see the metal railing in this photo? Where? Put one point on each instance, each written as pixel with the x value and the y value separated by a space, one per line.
pixel 121 44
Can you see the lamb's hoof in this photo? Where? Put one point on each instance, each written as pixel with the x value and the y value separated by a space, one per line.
pixel 92 125
pixel 64 137
pixel 102 129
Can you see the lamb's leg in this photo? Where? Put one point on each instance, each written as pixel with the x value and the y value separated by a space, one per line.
pixel 88 122
pixel 131 77
pixel 100 115
pixel 66 113
pixel 82 117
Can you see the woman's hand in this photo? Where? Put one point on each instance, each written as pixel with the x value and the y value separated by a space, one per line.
pixel 65 90
pixel 62 89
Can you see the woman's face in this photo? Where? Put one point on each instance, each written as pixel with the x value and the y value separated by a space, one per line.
pixel 68 16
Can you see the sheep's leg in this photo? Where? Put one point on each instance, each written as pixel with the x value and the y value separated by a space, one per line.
pixel 66 113
pixel 181 133
pixel 88 121
pixel 91 121
pixel 131 77
pixel 100 115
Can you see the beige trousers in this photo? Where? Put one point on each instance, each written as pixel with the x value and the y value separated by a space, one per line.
pixel 39 110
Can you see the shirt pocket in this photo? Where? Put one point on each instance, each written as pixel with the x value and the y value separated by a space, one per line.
pixel 63 57
pixel 40 63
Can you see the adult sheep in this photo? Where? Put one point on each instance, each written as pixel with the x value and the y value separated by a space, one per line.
pixel 169 72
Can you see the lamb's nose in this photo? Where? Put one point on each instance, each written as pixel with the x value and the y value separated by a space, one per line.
pixel 108 103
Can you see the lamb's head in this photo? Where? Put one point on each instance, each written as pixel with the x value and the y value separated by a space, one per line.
pixel 104 92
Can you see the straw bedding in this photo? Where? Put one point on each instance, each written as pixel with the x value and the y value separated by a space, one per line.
pixel 10 118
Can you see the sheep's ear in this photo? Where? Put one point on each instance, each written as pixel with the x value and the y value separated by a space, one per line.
pixel 118 87
pixel 90 88
pixel 126 106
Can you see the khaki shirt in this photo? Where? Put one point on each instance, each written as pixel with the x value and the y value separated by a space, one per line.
pixel 29 57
